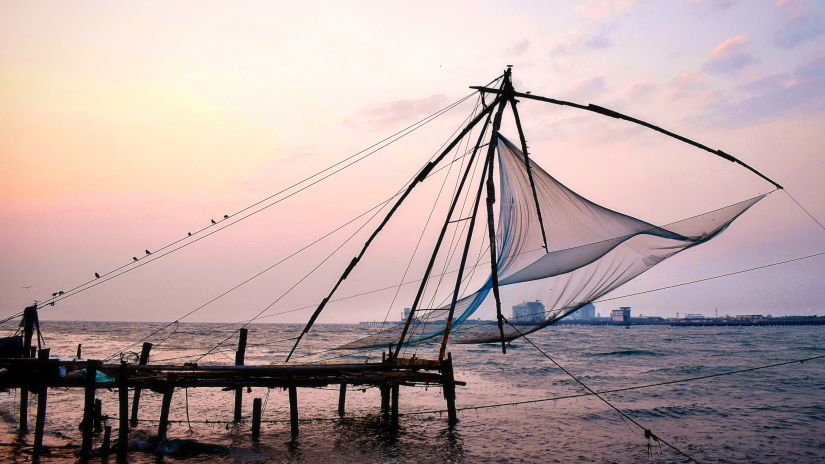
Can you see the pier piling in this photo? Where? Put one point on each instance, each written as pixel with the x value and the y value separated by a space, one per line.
pixel 107 440
pixel 40 422
pixel 394 413
pixel 123 410
pixel 293 411
pixel 342 400
pixel 142 361
pixel 449 388
pixel 163 424
pixel 98 417
pixel 88 407
pixel 239 360
pixel 256 418
pixel 385 399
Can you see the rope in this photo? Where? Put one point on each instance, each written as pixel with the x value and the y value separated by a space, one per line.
pixel 805 210
pixel 647 432
pixel 131 265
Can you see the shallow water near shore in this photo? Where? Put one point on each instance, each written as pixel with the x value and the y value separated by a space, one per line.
pixel 765 416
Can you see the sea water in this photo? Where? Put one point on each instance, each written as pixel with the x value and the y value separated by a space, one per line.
pixel 764 416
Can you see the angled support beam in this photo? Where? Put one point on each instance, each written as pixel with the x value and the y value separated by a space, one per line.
pixel 614 114
pixel 491 200
pixel 422 175
pixel 529 170
pixel 419 294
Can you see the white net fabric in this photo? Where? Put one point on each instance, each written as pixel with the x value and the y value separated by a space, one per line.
pixel 591 250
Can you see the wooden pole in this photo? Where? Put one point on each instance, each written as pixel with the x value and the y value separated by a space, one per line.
pixel 394 414
pixel 239 359
pixel 40 422
pixel 385 399
pixel 107 440
pixel 79 350
pixel 29 316
pixel 144 359
pixel 256 418
pixel 98 417
pixel 88 408
pixel 448 387
pixel 293 411
pixel 163 425
pixel 123 411
pixel 342 400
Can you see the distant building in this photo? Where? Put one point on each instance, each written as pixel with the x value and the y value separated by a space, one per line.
pixel 528 312
pixel 694 317
pixel 621 315
pixel 587 311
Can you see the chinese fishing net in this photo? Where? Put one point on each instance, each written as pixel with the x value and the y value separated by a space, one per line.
pixel 591 250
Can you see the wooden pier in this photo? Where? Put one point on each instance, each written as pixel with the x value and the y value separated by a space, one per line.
pixel 38 373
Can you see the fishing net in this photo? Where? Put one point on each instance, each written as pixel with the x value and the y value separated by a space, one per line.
pixel 591 250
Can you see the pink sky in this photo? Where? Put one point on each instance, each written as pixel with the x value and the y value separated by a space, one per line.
pixel 123 126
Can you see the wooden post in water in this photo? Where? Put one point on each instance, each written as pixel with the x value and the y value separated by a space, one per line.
pixel 239 359
pixel 163 425
pixel 29 318
pixel 79 350
pixel 107 440
pixel 385 399
pixel 342 400
pixel 88 408
pixel 394 413
pixel 256 418
pixel 144 359
pixel 293 411
pixel 40 421
pixel 448 388
pixel 123 411
pixel 98 417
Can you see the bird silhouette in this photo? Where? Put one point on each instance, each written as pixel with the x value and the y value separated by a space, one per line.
pixel 134 258
pixel 189 234
pixel 61 292
pixel 148 252
pixel 226 216
pixel 97 276
pixel 213 221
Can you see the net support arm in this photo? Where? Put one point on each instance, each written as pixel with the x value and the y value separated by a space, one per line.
pixel 614 114
pixel 422 175
pixel 447 221
pixel 491 226
pixel 529 170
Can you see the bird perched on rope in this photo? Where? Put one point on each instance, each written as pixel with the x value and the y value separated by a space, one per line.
pixel 189 234
pixel 226 216
pixel 134 258
pixel 97 276
pixel 148 252
pixel 213 221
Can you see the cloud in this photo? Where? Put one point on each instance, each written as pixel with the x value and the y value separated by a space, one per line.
pixel 586 88
pixel 686 85
pixel 594 41
pixel 600 10
pixel 803 90
pixel 730 56
pixel 403 111
pixel 639 91
pixel 800 26
pixel 518 48
pixel 712 6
